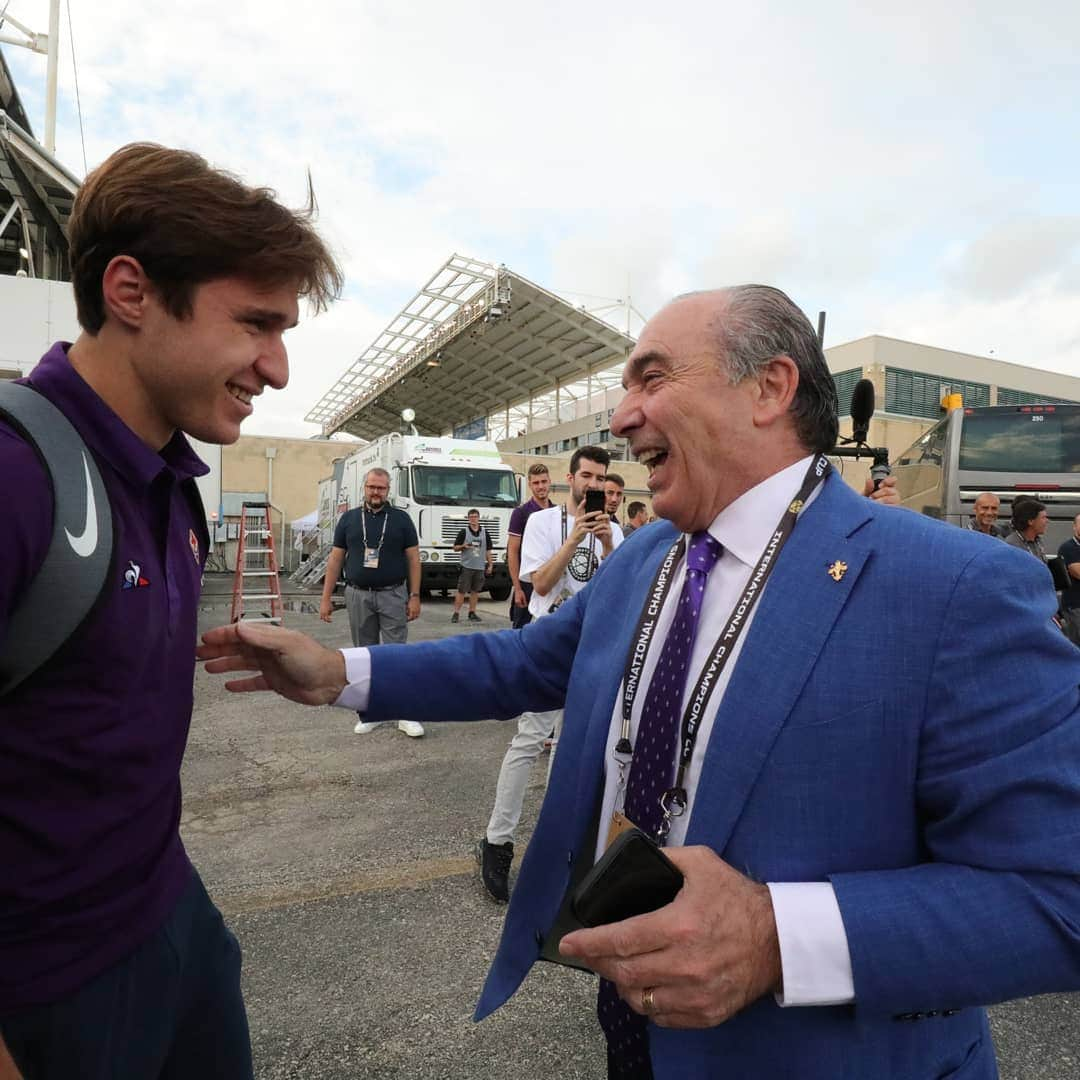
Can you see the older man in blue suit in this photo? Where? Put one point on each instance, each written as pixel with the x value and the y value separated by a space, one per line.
pixel 855 729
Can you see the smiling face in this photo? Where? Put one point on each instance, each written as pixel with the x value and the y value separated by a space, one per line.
pixel 589 477
pixel 684 419
pixel 986 510
pixel 200 374
pixel 540 486
pixel 612 496
pixel 376 489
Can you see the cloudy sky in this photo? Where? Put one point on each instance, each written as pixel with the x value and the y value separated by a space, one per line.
pixel 913 174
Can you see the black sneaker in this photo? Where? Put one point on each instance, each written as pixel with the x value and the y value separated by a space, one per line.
pixel 455 617
pixel 494 862
pixel 473 617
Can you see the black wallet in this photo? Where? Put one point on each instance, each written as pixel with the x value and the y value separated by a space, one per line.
pixel 631 878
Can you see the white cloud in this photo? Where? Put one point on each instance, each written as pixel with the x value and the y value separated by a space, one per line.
pixel 869 163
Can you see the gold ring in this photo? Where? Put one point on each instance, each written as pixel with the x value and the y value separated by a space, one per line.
pixel 647 999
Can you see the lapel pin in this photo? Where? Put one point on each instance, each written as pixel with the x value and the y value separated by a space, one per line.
pixel 837 570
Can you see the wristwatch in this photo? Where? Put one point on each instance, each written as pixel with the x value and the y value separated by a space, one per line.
pixel 412 594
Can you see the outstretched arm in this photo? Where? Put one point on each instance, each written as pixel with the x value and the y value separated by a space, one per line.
pixel 287 662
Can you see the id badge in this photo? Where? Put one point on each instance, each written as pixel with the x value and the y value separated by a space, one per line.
pixel 371 558
pixel 620 823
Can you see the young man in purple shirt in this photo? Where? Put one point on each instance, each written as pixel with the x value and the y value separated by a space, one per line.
pixel 114 962
pixel 539 484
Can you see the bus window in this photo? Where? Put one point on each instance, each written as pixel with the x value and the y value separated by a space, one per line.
pixel 1022 442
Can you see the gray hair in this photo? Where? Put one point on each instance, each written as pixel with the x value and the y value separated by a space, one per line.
pixel 757 323
pixel 378 472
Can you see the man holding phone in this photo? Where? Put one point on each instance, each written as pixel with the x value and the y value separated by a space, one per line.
pixel 561 550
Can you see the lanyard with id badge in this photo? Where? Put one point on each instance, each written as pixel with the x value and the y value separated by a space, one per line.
pixel 673 801
pixel 634 876
pixel 371 554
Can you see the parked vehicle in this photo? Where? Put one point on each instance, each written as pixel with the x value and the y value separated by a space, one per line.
pixel 436 481
pixel 1010 450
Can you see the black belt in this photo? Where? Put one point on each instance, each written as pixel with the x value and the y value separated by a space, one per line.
pixel 373 588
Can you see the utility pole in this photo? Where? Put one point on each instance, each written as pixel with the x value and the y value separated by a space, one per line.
pixel 47 44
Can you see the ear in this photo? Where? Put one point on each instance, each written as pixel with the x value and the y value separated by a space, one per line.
pixel 126 291
pixel 775 390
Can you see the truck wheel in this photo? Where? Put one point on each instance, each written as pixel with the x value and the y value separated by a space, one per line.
pixel 499 593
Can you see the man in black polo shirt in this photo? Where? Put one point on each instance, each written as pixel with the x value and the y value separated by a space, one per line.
pixel 377 545
pixel 1070 598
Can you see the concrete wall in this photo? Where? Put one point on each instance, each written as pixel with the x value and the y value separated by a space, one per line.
pixel 290 477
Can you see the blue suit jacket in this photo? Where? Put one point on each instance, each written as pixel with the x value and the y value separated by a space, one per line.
pixel 910 733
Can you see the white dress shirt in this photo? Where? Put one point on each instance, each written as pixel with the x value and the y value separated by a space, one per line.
pixel 813 945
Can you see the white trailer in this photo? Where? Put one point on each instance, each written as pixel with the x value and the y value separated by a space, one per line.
pixel 437 481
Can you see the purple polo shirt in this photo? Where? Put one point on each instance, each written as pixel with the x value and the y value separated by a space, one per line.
pixel 91 861
pixel 521 515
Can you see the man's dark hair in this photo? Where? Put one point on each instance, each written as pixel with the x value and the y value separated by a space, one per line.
pixel 757 323
pixel 471 512
pixel 596 454
pixel 615 478
pixel 187 223
pixel 634 509
pixel 1024 511
pixel 538 469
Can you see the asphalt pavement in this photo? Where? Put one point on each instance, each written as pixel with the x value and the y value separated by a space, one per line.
pixel 344 863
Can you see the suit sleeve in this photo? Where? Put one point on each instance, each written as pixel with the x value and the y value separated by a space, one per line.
pixel 478 676
pixel 993 912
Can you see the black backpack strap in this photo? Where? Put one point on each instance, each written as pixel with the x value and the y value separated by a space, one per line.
pixel 77 562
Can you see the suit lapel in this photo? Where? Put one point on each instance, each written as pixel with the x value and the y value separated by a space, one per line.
pixel 795 616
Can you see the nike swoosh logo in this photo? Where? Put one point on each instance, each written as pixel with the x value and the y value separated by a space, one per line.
pixel 85 543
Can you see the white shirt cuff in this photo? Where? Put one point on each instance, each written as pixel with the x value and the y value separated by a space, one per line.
pixel 357 690
pixel 814 952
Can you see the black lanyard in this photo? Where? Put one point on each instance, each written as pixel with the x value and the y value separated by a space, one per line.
pixel 674 800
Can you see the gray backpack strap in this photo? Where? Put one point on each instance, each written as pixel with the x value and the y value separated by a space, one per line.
pixel 77 563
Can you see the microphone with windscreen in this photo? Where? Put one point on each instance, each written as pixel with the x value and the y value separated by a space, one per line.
pixel 862 409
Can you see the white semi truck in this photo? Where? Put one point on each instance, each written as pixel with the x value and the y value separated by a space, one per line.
pixel 437 481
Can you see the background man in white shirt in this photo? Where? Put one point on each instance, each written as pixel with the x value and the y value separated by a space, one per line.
pixel 561 550
pixel 878 813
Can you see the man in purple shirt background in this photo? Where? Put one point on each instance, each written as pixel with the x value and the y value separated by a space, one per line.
pixel 539 484
pixel 114 962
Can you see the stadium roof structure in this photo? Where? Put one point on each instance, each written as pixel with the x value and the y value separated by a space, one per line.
pixel 476 341
pixel 36 193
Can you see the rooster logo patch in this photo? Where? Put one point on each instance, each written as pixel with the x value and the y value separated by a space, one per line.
pixel 133 578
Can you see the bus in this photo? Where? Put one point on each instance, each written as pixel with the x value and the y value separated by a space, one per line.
pixel 1010 450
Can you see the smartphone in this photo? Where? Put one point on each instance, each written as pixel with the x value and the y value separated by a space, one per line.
pixel 594 500
pixel 631 878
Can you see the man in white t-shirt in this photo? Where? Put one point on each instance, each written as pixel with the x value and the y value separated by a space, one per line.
pixel 561 550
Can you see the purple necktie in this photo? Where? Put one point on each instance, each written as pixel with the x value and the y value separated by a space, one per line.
pixel 652 772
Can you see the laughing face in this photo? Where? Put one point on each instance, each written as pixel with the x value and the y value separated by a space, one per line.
pixel 201 373
pixel 684 419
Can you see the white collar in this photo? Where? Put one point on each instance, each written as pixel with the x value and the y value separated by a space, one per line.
pixel 744 526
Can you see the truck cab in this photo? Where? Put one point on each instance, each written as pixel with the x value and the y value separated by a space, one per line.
pixel 437 481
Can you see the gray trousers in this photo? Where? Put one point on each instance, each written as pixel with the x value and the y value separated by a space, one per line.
pixel 525 747
pixel 1071 618
pixel 372 614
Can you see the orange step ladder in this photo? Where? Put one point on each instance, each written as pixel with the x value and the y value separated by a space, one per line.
pixel 256 585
